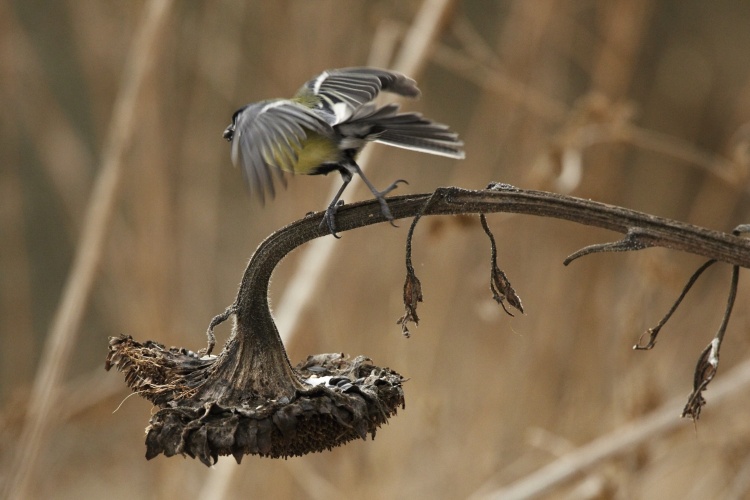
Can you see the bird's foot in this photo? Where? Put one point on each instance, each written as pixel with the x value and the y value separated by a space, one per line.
pixel 329 218
pixel 380 196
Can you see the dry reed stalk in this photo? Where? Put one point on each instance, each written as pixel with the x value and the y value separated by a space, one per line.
pixel 64 329
pixel 656 424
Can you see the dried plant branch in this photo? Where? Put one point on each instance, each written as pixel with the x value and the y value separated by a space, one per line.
pixel 649 229
pixel 210 405
pixel 63 331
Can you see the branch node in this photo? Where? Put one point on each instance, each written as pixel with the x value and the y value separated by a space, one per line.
pixel 652 333
pixel 635 239
pixel 501 186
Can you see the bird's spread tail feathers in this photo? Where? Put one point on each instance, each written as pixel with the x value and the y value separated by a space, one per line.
pixel 407 130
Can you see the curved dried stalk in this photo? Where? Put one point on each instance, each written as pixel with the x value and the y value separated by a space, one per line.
pixel 210 404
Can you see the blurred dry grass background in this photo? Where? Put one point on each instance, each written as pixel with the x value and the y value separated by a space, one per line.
pixel 634 102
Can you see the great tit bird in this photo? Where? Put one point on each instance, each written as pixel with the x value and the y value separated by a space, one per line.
pixel 324 127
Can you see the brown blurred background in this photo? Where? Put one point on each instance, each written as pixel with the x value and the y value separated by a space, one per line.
pixel 634 102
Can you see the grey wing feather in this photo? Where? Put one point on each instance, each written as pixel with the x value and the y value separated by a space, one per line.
pixel 265 137
pixel 343 91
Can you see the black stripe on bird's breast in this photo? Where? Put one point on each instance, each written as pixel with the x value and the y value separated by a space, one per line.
pixel 327 168
pixel 348 156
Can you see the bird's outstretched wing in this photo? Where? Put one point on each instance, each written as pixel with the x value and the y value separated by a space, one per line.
pixel 337 94
pixel 267 138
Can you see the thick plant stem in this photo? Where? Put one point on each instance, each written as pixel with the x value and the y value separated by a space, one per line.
pixel 254 359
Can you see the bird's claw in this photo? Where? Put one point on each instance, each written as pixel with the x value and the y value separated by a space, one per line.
pixel 329 218
pixel 380 196
pixel 393 186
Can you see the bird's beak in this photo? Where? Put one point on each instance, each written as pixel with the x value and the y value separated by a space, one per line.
pixel 229 133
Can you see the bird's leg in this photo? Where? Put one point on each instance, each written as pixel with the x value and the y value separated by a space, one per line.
pixel 347 174
pixel 330 215
pixel 379 195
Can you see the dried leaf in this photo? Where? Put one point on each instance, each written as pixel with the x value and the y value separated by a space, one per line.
pixel 412 296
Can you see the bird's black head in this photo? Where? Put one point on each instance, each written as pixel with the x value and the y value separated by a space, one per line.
pixel 229 132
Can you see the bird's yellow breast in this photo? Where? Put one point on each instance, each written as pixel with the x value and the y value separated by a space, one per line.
pixel 315 151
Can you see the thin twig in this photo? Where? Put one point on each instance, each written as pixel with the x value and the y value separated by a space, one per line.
pixel 654 331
